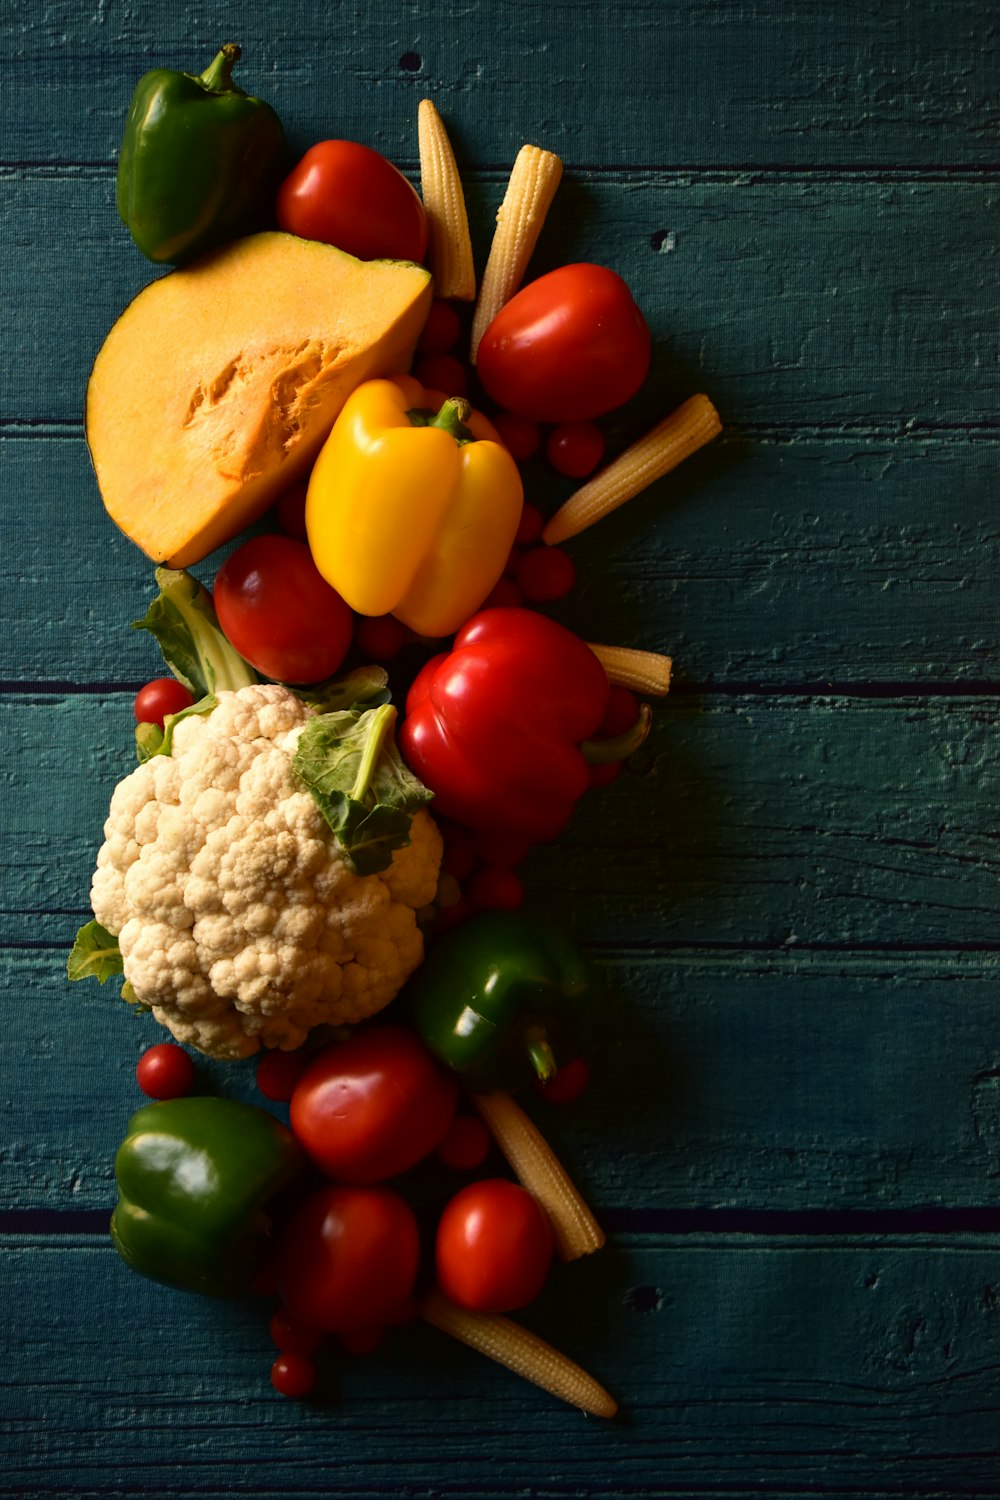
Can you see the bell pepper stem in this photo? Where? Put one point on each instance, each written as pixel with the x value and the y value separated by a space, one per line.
pixel 218 76
pixel 619 746
pixel 540 1052
pixel 454 414
pixel 382 726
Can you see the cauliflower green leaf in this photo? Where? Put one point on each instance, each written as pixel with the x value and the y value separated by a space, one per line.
pixel 367 794
pixel 182 618
pixel 95 954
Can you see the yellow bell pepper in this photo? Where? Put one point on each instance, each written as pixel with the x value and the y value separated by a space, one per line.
pixel 412 510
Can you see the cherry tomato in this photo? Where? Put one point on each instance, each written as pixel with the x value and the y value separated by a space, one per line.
pixel 493 1247
pixel 373 1106
pixel 545 574
pixel 442 330
pixel 278 1073
pixel 348 195
pixel 347 1258
pixel 381 637
pixel 567 1083
pixel 567 347
pixel 575 448
pixel 530 526
pixel 466 1146
pixel 162 696
pixel 442 372
pixel 165 1071
pixel 520 435
pixel 279 612
pixel 293 1375
pixel 496 889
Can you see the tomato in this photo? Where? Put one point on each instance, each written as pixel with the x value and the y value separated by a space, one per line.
pixel 442 330
pixel 567 1083
pixel 545 574
pixel 348 195
pixel 373 1106
pixel 277 1074
pixel 496 889
pixel 467 1144
pixel 567 347
pixel 162 696
pixel 293 1375
pixel 575 448
pixel 165 1071
pixel 347 1258
pixel 494 1246
pixel 280 613
pixel 520 435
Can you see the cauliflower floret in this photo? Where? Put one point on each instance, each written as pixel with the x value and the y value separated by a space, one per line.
pixel 239 920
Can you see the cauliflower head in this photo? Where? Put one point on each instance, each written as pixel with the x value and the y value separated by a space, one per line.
pixel 240 922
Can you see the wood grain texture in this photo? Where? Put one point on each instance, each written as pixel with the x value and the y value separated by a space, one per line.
pixel 756 288
pixel 783 1368
pixel 824 561
pixel 620 84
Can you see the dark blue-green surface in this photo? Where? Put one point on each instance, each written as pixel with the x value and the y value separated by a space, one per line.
pixel 794 1130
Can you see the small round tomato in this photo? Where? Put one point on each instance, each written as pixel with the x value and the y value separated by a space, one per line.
pixel 467 1144
pixel 277 1074
pixel 575 448
pixel 349 195
pixel 162 696
pixel 567 1083
pixel 347 1258
pixel 373 1106
pixel 567 347
pixel 442 330
pixel 280 613
pixel 293 1375
pixel 494 1246
pixel 165 1071
pixel 545 574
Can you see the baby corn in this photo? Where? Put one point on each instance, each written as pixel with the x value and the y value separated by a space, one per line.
pixel 640 671
pixel 450 247
pixel 671 441
pixel 530 191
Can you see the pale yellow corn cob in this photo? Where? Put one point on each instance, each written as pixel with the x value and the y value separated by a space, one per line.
pixel 671 441
pixel 530 190
pixel 575 1231
pixel 449 252
pixel 516 1348
pixel 641 671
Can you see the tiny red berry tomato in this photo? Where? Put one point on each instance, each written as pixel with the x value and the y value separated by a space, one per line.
pixel 442 372
pixel 280 613
pixel 278 1073
pixel 349 195
pixel 165 1071
pixel 567 1083
pixel 292 1337
pixel 575 448
pixel 293 1375
pixel 162 696
pixel 373 1106
pixel 567 347
pixel 347 1258
pixel 545 574
pixel 381 637
pixel 531 525
pixel 496 889
pixel 442 330
pixel 493 1247
pixel 521 436
pixel 466 1146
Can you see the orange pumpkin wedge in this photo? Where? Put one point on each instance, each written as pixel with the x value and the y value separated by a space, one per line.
pixel 217 386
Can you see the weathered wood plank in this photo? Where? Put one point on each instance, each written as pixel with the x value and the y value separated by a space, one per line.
pixel 827 561
pixel 615 84
pixel 768 821
pixel 764 1367
pixel 763 1083
pixel 789 300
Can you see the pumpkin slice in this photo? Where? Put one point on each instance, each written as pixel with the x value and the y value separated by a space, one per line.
pixel 217 386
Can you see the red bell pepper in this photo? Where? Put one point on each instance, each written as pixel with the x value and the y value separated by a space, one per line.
pixel 496 726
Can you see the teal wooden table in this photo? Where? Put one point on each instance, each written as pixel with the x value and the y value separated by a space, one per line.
pixel 793 1135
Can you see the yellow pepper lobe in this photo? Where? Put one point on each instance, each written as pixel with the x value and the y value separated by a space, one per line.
pixel 405 520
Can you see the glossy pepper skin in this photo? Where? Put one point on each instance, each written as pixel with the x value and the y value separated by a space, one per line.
pixel 413 505
pixel 195 1177
pixel 496 728
pixel 199 161
pixel 499 997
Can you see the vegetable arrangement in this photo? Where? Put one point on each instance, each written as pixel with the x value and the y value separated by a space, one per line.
pixel 292 857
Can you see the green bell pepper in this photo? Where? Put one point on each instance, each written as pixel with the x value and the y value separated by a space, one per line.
pixel 199 163
pixel 497 996
pixel 195 1177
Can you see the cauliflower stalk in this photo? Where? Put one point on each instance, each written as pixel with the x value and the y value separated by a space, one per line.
pixel 259 877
